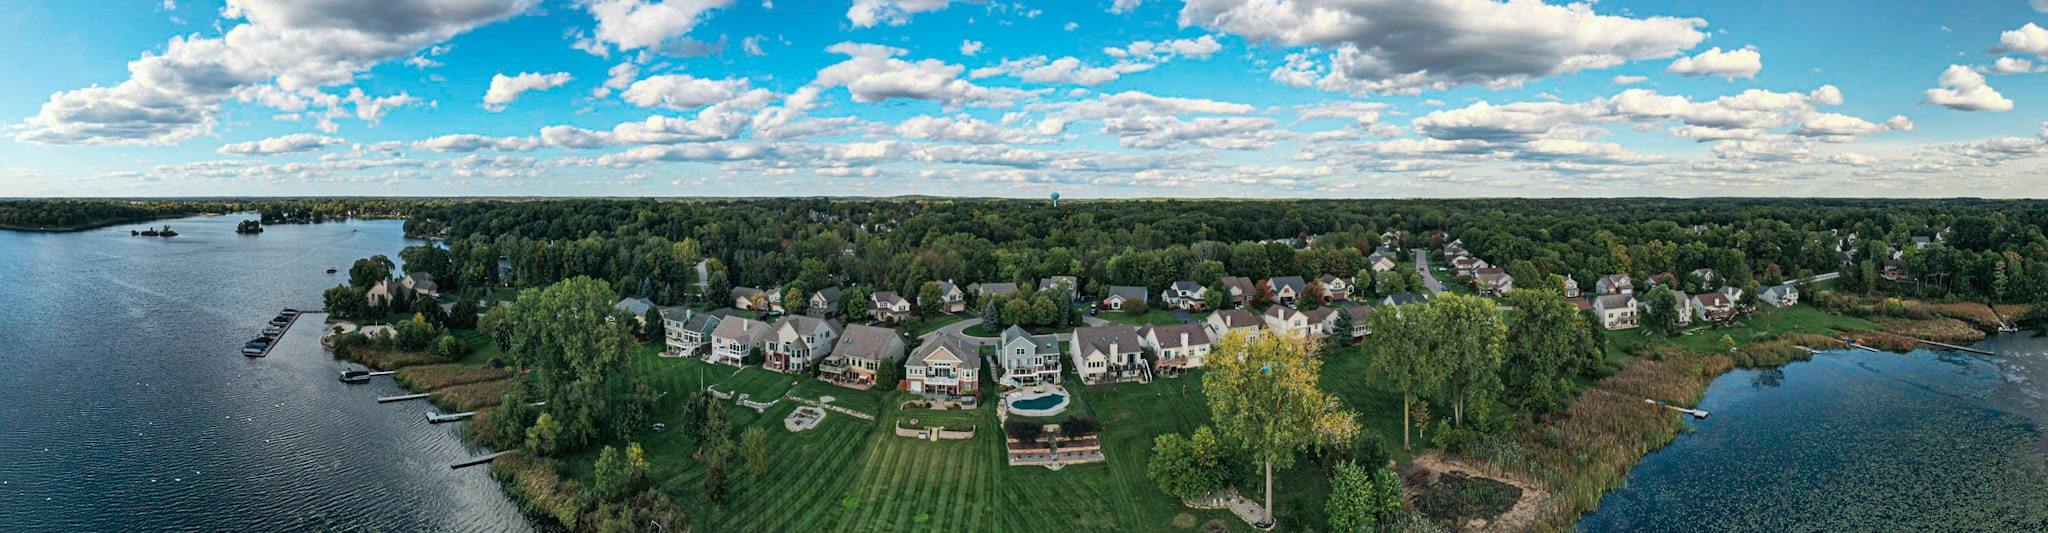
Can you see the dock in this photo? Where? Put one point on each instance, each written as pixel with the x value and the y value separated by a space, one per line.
pixel 286 328
pixel 479 460
pixel 1700 414
pixel 1953 347
pixel 402 397
pixel 383 373
pixel 437 418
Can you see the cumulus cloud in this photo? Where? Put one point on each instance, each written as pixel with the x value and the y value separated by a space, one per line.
pixel 1409 47
pixel 506 89
pixel 961 128
pixel 1136 57
pixel 286 144
pixel 682 91
pixel 1963 89
pixel 2012 65
pixel 970 47
pixel 1630 80
pixel 1126 6
pixel 1755 115
pixel 1743 63
pixel 874 73
pixel 618 77
pixel 175 94
pixel 468 142
pixel 643 24
pixel 2028 39
pixel 868 13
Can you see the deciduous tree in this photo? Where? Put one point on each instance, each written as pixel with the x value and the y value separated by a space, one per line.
pixel 1263 395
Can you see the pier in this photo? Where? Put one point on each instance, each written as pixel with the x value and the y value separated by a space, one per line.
pixel 401 398
pixel 281 330
pixel 1700 414
pixel 479 460
pixel 437 418
pixel 1953 347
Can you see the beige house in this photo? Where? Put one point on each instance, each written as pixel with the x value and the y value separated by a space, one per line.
pixel 1616 311
pixel 687 331
pixel 945 366
pixel 859 355
pixel 951 298
pixel 1105 353
pixel 1242 290
pixel 1227 321
pixel 1493 280
pixel 1284 319
pixel 734 339
pixel 888 307
pixel 795 343
pixel 1284 290
pixel 1176 347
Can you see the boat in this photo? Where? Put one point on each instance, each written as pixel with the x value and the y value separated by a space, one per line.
pixel 355 376
pixel 256 348
pixel 289 312
pixel 273 331
pixel 331 271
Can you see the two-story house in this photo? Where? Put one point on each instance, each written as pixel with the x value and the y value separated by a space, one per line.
pixel 1176 347
pixel 1186 295
pixel 1108 353
pixel 986 290
pixel 1614 284
pixel 858 357
pixel 1467 266
pixel 734 339
pixel 1381 260
pixel 687 331
pixel 1285 290
pixel 1493 280
pixel 944 366
pixel 795 343
pixel 824 303
pixel 1334 288
pixel 1286 320
pixel 1358 315
pixel 1229 321
pixel 1780 296
pixel 1713 306
pixel 888 307
pixel 1241 290
pixel 1616 311
pixel 1028 359
pixel 951 298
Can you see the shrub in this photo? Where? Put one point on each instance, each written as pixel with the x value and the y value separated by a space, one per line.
pixel 1024 431
pixel 450 347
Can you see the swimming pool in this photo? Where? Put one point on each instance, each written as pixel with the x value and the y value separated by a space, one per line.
pixel 1040 403
pixel 1037 402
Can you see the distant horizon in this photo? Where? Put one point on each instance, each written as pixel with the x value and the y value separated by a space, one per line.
pixel 1096 99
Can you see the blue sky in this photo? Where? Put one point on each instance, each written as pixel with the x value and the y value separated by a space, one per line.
pixel 1092 98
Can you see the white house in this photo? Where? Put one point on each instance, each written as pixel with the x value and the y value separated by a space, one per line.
pixel 734 339
pixel 1186 295
pixel 795 343
pixel 1284 319
pixel 1780 296
pixel 1614 284
pixel 1105 353
pixel 944 365
pixel 1177 347
pixel 687 331
pixel 1616 311
pixel 1226 321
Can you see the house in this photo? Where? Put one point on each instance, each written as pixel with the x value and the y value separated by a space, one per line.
pixel 944 366
pixel 1733 293
pixel 985 290
pixel 1713 307
pixel 420 282
pixel 1227 321
pixel 1922 242
pixel 1493 280
pixel 1321 321
pixel 1334 288
pixel 752 299
pixel 1705 275
pixel 824 303
pixel 1467 266
pixel 1381 260
pixel 1780 296
pixel 1241 290
pixel 1664 279
pixel 634 307
pixel 1285 289
pixel 734 339
pixel 1614 284
pixel 951 298
pixel 1454 248
pixel 1176 347
pixel 858 357
pixel 1616 311
pixel 686 330
pixel 1682 313
pixel 1186 295
pixel 889 307
pixel 1359 327
pixel 1122 295
pixel 1071 283
pixel 1284 319
pixel 795 343
pixel 1109 353
pixel 1028 359
pixel 1403 299
pixel 1571 286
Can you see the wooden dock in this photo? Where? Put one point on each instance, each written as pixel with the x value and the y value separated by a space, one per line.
pixel 1696 413
pixel 479 460
pixel 402 397
pixel 286 328
pixel 1953 347
pixel 383 373
pixel 437 418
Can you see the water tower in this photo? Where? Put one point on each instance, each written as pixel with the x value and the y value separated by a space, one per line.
pixel 1055 198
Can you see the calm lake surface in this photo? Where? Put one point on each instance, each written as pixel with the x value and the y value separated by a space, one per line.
pixel 1856 441
pixel 127 406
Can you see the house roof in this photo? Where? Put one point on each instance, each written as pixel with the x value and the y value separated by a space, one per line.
pixel 692 320
pixel 1237 318
pixel 1176 335
pixel 1280 312
pixel 1041 344
pixel 1100 338
pixel 1712 299
pixel 968 353
pixel 947 287
pixel 1243 285
pixel 1405 299
pixel 1320 314
pixel 1187 286
pixel 831 295
pixel 1780 290
pixel 865 342
pixel 1358 312
pixel 804 325
pixel 1130 293
pixel 1614 280
pixel 1294 282
pixel 1004 289
pixel 1072 282
pixel 888 297
pixel 742 329
pixel 1491 274
pixel 1327 279
pixel 1614 301
pixel 636 306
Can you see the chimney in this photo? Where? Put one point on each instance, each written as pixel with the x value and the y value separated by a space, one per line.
pixel 1183 338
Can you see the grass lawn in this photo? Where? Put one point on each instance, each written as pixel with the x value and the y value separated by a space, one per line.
pixel 1763 324
pixel 865 401
pixel 759 384
pixel 1154 317
pixel 481 349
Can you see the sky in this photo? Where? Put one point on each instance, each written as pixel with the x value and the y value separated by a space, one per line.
pixel 1087 98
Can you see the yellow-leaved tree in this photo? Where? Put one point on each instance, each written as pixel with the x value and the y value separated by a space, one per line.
pixel 1263 395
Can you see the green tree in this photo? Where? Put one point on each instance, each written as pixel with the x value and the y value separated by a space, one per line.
pixel 654 329
pixel 1660 311
pixel 544 437
pixel 929 300
pixel 434 261
pixel 1467 339
pixel 794 301
pixel 416 334
pixel 1400 354
pixel 1263 395
pixel 578 360
pixel 1541 343
pixel 1216 298
pixel 370 270
pixel 1340 332
pixel 1182 469
pixel 754 448
pixel 346 302
pixel 463 315
pixel 1362 497
pixel 620 474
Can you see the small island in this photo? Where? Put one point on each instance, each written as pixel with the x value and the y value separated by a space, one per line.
pixel 249 227
pixel 153 232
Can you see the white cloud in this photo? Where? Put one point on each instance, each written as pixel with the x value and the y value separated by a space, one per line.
pixel 874 74
pixel 868 13
pixel 2039 5
pixel 506 89
pixel 1409 47
pixel 1068 70
pixel 682 91
pixel 618 77
pixel 2028 39
pixel 175 94
pixel 1126 6
pixel 287 144
pixel 752 46
pixel 643 24
pixel 961 128
pixel 970 47
pixel 1630 80
pixel 467 142
pixel 2012 65
pixel 1163 51
pixel 1743 63
pixel 1963 89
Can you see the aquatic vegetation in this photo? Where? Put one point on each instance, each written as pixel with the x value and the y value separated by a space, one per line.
pixel 434 377
pixel 473 396
pixel 1947 330
pixel 537 485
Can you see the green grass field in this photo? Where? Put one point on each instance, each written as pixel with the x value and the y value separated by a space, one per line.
pixel 1765 323
pixel 758 383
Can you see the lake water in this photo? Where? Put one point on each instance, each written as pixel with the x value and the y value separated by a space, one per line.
pixel 1856 441
pixel 127 406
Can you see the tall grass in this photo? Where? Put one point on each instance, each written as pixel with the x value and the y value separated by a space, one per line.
pixel 537 486
pixel 434 377
pixel 473 396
